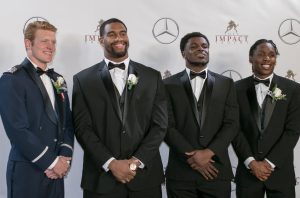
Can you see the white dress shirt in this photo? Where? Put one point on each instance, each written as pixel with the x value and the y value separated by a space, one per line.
pixel 197 83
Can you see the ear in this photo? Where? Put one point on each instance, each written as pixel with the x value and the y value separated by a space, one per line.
pixel 28 44
pixel 101 41
pixel 251 59
pixel 183 54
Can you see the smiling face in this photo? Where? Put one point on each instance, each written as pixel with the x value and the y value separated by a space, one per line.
pixel 263 60
pixel 42 49
pixel 196 53
pixel 115 42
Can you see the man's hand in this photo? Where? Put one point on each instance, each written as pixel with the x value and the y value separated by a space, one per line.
pixel 201 161
pixel 261 169
pixel 50 174
pixel 120 169
pixel 62 166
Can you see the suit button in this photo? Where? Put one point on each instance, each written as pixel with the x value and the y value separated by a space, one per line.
pixel 124 131
pixel 260 152
pixel 41 128
pixel 201 136
pixel 55 140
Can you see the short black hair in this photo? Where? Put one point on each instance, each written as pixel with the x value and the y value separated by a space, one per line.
pixel 109 21
pixel 186 38
pixel 260 41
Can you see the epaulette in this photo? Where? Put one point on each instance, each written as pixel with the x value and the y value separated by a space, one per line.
pixel 13 69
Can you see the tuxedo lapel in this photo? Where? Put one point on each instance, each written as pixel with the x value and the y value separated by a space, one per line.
pixel 207 96
pixel 127 95
pixel 270 105
pixel 110 89
pixel 251 93
pixel 187 86
pixel 34 76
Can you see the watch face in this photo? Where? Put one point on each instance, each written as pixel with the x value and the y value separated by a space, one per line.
pixel 132 166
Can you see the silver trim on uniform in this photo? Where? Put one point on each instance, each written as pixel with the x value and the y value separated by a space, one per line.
pixel 40 155
pixel 67 145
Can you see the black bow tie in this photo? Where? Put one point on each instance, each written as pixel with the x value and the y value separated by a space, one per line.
pixel 112 66
pixel 265 82
pixel 194 74
pixel 48 72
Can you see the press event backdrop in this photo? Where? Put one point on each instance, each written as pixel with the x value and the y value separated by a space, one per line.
pixel 155 28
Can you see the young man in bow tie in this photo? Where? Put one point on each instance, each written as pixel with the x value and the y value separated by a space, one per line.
pixel 269 128
pixel 120 117
pixel 35 111
pixel 203 119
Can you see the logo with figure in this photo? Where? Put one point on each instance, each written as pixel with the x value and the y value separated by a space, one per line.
pixel 232 26
pixel 290 75
pixel 234 75
pixel 94 38
pixel 165 30
pixel 231 35
pixel 289 31
pixel 167 74
pixel 33 19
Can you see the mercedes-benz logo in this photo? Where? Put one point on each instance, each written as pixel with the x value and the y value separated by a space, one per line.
pixel 234 75
pixel 165 30
pixel 32 19
pixel 289 31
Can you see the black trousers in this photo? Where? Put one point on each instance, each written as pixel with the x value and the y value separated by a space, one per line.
pixel 200 189
pixel 122 191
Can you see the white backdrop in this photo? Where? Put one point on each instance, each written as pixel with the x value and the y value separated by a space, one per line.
pixel 78 48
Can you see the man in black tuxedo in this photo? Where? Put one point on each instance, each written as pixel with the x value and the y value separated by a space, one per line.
pixel 203 119
pixel 36 115
pixel 269 128
pixel 120 115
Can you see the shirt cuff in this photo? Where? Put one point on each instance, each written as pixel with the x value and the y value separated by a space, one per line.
pixel 248 161
pixel 106 164
pixel 272 165
pixel 53 163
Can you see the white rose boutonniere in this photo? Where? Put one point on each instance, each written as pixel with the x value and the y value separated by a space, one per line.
pixel 131 81
pixel 276 94
pixel 60 86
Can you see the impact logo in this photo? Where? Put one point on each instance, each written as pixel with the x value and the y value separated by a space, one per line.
pixel 94 38
pixel 231 35
pixel 289 31
pixel 33 19
pixel 165 30
pixel 290 75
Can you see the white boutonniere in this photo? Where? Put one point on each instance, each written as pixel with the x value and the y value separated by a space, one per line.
pixel 131 81
pixel 60 86
pixel 276 94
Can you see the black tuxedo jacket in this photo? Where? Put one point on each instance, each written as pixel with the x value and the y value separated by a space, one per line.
pixel 214 129
pixel 277 141
pixel 37 133
pixel 105 131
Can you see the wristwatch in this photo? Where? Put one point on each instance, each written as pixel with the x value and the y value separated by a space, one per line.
pixel 132 166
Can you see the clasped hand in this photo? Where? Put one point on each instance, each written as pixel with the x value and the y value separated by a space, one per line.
pixel 60 169
pixel 201 161
pixel 120 169
pixel 261 169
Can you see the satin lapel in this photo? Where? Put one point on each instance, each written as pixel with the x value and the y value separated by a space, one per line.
pixel 48 106
pixel 187 86
pixel 128 94
pixel 108 83
pixel 207 96
pixel 251 93
pixel 270 105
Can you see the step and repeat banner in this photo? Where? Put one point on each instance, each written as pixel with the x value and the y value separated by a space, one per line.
pixel 155 28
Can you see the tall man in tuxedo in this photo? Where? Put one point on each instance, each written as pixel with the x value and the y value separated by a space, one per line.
pixel 269 128
pixel 35 111
pixel 203 119
pixel 120 116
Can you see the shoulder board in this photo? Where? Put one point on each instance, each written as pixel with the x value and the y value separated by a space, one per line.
pixel 13 69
